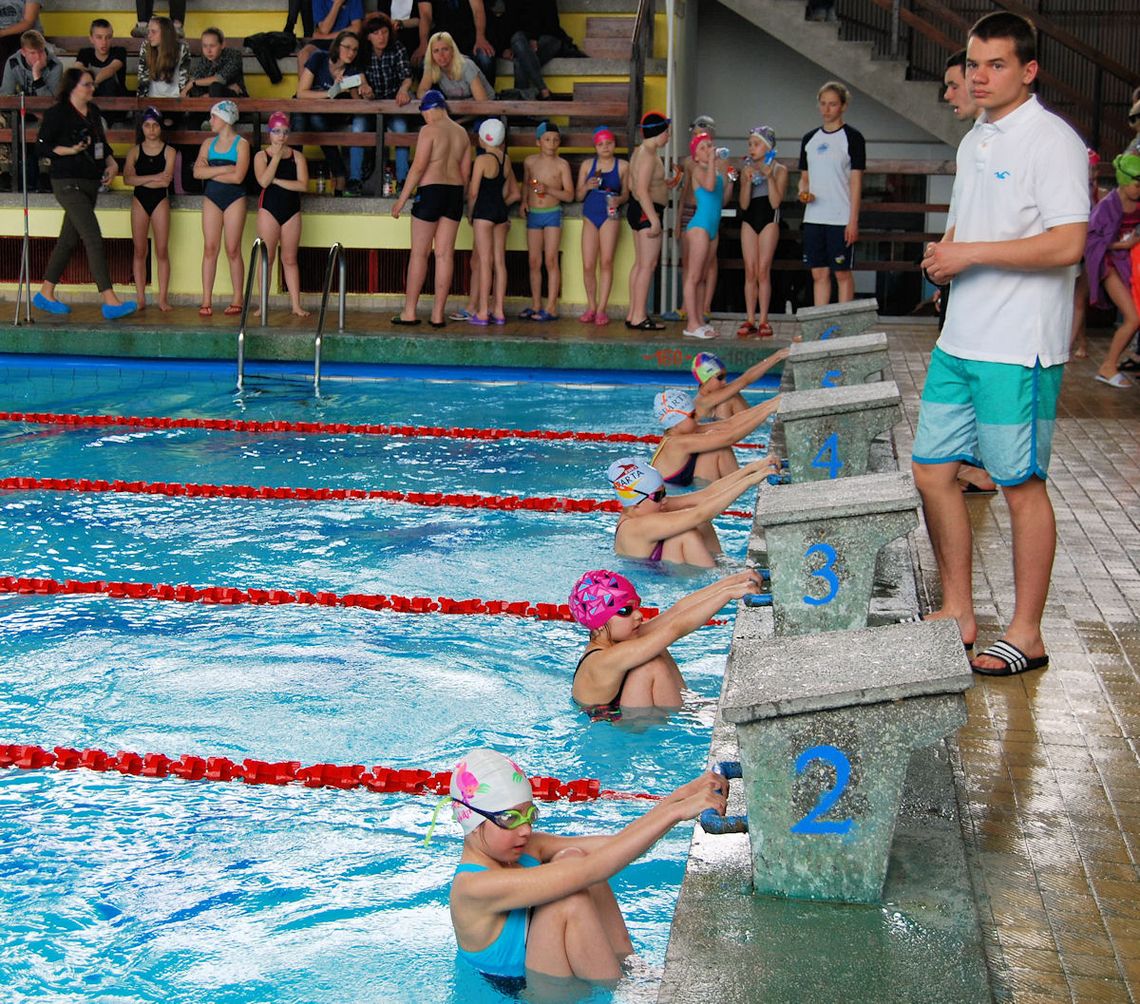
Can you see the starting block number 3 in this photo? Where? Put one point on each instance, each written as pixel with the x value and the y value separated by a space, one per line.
pixel 811 823
pixel 828 457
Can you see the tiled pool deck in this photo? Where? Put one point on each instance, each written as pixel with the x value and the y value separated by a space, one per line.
pixel 1047 769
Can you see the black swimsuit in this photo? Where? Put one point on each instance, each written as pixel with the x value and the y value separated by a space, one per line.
pixel 282 203
pixel 489 201
pixel 611 710
pixel 146 166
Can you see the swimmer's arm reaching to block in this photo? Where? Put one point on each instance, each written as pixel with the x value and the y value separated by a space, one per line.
pixel 726 490
pixel 706 403
pixel 702 604
pixel 728 431
pixel 500 890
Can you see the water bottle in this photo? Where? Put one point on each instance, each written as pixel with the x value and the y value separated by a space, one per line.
pixel 321 174
pixel 611 205
pixel 389 189
pixel 722 153
pixel 733 174
pixel 769 156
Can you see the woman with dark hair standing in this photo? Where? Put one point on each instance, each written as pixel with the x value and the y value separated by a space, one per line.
pixel 387 77
pixel 72 135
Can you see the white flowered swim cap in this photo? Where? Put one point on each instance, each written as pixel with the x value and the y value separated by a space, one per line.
pixel 489 781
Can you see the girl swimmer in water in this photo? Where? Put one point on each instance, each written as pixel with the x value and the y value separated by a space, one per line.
pixel 717 398
pixel 655 526
pixel 627 662
pixel 688 450
pixel 523 901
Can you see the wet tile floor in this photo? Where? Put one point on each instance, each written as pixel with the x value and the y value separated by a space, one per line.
pixel 1048 765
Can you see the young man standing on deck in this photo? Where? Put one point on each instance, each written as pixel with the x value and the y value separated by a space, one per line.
pixel 647 188
pixel 1017 225
pixel 440 171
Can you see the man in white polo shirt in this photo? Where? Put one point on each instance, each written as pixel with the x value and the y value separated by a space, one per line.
pixel 1017 225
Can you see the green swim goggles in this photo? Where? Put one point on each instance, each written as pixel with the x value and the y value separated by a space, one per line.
pixel 507 819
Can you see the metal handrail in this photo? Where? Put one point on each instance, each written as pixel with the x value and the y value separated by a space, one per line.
pixel 642 47
pixel 258 249
pixel 336 256
pixel 24 288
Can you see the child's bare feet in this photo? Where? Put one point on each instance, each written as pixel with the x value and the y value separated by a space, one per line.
pixel 301 312
pixel 164 306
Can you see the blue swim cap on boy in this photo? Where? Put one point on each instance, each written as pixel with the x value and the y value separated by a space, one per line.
pixel 544 127
pixel 433 99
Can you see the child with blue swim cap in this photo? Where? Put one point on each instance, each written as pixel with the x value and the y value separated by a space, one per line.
pixel 526 902
pixel 689 450
pixel 627 664
pixel 660 527
pixel 718 398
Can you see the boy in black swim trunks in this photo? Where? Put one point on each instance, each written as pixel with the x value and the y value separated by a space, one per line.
pixel 647 187
pixel 440 171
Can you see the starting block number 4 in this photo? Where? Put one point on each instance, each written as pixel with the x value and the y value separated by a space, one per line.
pixel 826 572
pixel 831 378
pixel 812 823
pixel 828 456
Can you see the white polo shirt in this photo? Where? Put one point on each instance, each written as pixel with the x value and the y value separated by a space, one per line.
pixel 1017 177
pixel 829 158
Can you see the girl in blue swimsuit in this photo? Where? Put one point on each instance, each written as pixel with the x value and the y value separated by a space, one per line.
pixel 603 187
pixel 701 233
pixel 524 901
pixel 222 164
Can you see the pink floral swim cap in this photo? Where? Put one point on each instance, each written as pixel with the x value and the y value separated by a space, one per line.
pixel 489 781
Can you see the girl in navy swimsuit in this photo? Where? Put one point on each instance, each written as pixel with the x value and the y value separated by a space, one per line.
pixel 627 662
pixel 492 188
pixel 603 187
pixel 149 168
pixel 222 164
pixel 283 175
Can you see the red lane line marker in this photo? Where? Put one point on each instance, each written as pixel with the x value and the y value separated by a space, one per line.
pixel 324 428
pixel 453 499
pixel 412 781
pixel 233 596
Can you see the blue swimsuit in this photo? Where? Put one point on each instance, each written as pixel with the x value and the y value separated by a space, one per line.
pixel 706 217
pixel 223 193
pixel 506 955
pixel 594 207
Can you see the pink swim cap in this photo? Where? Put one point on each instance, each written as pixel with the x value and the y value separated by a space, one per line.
pixel 696 141
pixel 598 595
pixel 278 119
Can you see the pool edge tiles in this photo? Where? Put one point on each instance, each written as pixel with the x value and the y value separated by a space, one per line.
pixel 667 354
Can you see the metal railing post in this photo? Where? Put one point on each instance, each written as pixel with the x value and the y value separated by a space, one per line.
pixel 24 288
pixel 258 248
pixel 336 256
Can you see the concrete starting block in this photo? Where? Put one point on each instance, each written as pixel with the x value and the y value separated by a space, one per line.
pixel 823 541
pixel 838 362
pixel 826 727
pixel 835 320
pixel 828 433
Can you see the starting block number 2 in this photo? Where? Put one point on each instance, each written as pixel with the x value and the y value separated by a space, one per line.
pixel 837 759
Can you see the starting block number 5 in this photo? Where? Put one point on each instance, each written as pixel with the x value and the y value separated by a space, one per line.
pixel 811 823
pixel 828 457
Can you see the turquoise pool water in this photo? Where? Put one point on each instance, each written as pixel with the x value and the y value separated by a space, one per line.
pixel 130 889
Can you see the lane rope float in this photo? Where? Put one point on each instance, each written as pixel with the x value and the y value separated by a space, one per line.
pixel 325 428
pixel 460 500
pixel 234 596
pixel 412 781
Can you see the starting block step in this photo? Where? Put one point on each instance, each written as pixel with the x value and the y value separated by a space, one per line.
pixel 823 540
pixel 838 362
pixel 826 726
pixel 828 432
pixel 836 320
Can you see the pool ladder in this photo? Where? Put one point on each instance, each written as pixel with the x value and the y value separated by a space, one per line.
pixel 259 257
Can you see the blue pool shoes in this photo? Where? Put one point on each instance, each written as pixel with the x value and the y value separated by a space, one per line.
pixel 113 311
pixel 41 302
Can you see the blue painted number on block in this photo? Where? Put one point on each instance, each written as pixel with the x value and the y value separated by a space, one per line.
pixel 828 456
pixel 831 378
pixel 811 823
pixel 829 332
pixel 826 572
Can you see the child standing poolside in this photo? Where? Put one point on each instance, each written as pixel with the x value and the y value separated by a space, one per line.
pixel 523 901
pixel 548 184
pixel 603 188
pixel 718 399
pixel 627 662
pixel 490 191
pixel 149 168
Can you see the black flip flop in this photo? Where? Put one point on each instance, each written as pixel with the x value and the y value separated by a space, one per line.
pixel 1012 660
pixel 647 325
pixel 406 324
pixel 437 324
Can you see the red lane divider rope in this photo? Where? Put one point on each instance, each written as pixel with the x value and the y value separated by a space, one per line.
pixel 468 500
pixel 412 781
pixel 322 428
pixel 233 596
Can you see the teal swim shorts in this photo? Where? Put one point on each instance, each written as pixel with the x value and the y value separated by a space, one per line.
pixel 998 416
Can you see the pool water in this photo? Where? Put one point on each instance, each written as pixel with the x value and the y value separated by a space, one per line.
pixel 130 889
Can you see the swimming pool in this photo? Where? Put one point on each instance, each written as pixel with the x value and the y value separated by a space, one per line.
pixel 137 889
